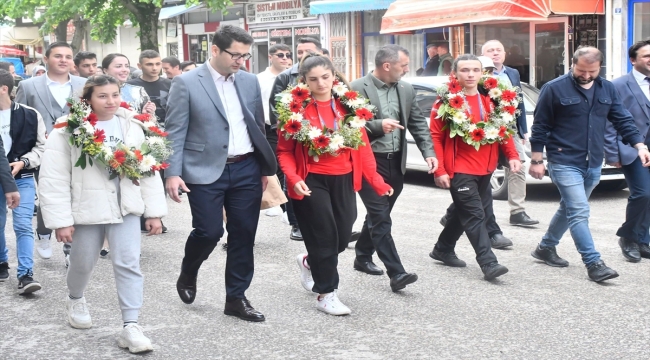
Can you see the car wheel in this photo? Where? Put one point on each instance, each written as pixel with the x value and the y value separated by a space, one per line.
pixel 499 184
pixel 612 185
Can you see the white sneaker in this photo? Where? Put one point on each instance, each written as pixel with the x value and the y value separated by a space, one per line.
pixel 274 211
pixel 305 272
pixel 43 247
pixel 133 338
pixel 285 218
pixel 78 315
pixel 331 304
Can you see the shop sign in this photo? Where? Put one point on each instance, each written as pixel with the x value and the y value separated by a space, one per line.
pixel 260 34
pixel 311 31
pixel 273 11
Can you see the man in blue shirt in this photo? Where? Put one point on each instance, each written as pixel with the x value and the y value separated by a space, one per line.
pixel 570 120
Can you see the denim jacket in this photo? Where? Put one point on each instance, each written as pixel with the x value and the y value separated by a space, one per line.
pixel 573 131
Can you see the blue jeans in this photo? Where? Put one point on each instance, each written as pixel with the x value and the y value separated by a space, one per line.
pixel 575 185
pixel 22 219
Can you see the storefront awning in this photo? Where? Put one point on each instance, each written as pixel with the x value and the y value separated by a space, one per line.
pixel 339 6
pixel 173 11
pixel 408 15
pixel 11 51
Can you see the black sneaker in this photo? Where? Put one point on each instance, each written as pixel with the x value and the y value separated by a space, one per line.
pixel 27 285
pixel 644 250
pixel 630 249
pixel 549 256
pixel 447 258
pixel 493 270
pixel 164 229
pixel 4 271
pixel 499 241
pixel 104 252
pixel 598 271
pixel 522 219
pixel 295 233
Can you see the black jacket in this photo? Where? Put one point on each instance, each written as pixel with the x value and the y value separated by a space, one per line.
pixel 23 131
pixel 286 78
pixel 6 180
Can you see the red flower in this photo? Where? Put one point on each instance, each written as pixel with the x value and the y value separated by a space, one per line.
pixel 164 165
pixel 508 95
pixel 143 117
pixel 510 109
pixel 336 82
pixel 156 130
pixel 125 105
pixel 295 106
pixel 68 104
pixel 322 141
pixel 92 119
pixel 364 113
pixel 299 94
pixel 478 135
pixel 61 125
pixel 351 95
pixel 456 102
pixel 138 155
pixel 503 131
pixel 119 156
pixel 99 136
pixel 490 83
pixel 454 87
pixel 292 127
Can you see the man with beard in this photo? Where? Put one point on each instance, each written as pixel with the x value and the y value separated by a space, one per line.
pixel 570 120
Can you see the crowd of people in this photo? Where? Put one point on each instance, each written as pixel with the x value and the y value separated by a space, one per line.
pixel 228 132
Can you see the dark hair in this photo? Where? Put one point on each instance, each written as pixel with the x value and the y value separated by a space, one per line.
pixel 56 45
pixel 632 52
pixel 97 80
pixel 279 47
pixel 148 54
pixel 6 79
pixel 83 55
pixel 465 57
pixel 4 65
pixel 312 60
pixel 389 54
pixel 108 59
pixel 432 45
pixel 326 52
pixel 185 64
pixel 311 40
pixel 172 60
pixel 589 53
pixel 226 34
pixel 444 45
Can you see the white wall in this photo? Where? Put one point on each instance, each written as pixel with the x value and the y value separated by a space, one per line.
pixel 126 42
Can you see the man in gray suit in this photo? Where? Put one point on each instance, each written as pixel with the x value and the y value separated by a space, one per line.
pixel 397 111
pixel 215 121
pixel 634 89
pixel 48 95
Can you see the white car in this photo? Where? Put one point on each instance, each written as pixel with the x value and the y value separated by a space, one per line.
pixel 425 87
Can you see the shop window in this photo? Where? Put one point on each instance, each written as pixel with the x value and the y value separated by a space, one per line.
pixel 414 45
pixel 372 21
pixel 515 38
pixel 196 17
pixel 214 16
pixel 372 44
pixel 641 21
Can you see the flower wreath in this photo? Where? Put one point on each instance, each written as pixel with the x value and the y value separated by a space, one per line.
pixel 123 161
pixel 498 124
pixel 291 104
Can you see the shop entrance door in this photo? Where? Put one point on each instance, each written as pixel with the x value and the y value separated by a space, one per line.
pixel 550 58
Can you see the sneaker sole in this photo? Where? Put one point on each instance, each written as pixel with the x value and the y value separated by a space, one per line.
pixel 435 257
pixel 3 279
pixel 500 246
pixel 524 225
pixel 134 350
pixel 411 280
pixel 295 238
pixel 612 276
pixel 46 256
pixel 334 313
pixel 501 271
pixel 78 325
pixel 236 314
pixel 545 261
pixel 29 289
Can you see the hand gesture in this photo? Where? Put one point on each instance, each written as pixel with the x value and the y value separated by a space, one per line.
pixel 301 189
pixel 389 125
pixel 64 234
pixel 172 184
pixel 443 181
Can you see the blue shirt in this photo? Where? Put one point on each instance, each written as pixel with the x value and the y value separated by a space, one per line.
pixel 572 130
pixel 502 75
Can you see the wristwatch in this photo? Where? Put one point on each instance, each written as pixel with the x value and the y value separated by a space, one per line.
pixel 537 162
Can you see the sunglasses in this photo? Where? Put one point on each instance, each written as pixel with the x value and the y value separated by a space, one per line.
pixel 281 55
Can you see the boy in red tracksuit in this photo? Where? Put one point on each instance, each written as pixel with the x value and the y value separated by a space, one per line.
pixel 467 172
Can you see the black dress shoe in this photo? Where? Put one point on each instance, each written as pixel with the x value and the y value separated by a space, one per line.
pixel 549 256
pixel 186 287
pixel 242 309
pixel 630 249
pixel 493 270
pixel 644 250
pixel 598 272
pixel 443 220
pixel 399 281
pixel 522 219
pixel 499 241
pixel 295 233
pixel 355 236
pixel 447 258
pixel 367 267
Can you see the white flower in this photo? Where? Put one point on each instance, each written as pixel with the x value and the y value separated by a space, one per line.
pixel 340 89
pixel 495 93
pixel 356 102
pixel 314 132
pixel 286 98
pixel 471 127
pixel 108 151
pixel 303 86
pixel 357 122
pixel 147 162
pixel 507 117
pixel 459 117
pixel 155 140
pixel 515 103
pixel 77 131
pixel 296 117
pixel 89 128
pixel 148 124
pixel 336 142
pixel 492 133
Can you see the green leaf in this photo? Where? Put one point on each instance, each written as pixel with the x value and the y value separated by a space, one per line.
pixel 81 162
pixel 90 161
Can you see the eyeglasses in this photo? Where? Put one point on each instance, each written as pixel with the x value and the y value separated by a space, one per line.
pixel 238 56
pixel 281 55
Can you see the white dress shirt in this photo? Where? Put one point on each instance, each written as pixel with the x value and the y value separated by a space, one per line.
pixel 643 82
pixel 266 79
pixel 239 142
pixel 60 92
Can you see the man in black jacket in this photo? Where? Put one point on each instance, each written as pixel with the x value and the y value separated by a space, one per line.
pixel 23 134
pixel 286 78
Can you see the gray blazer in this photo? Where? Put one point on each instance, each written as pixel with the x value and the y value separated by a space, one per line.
pixel 411 116
pixel 198 127
pixel 34 92
pixel 638 105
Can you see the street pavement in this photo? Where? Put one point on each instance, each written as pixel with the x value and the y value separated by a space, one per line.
pixel 533 312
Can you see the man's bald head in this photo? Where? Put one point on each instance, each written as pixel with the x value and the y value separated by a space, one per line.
pixel 494 50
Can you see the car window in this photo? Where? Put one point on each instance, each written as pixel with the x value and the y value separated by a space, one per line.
pixel 531 96
pixel 529 104
pixel 425 98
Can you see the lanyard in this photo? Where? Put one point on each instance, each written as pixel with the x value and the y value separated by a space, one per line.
pixel 322 122
pixel 480 107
